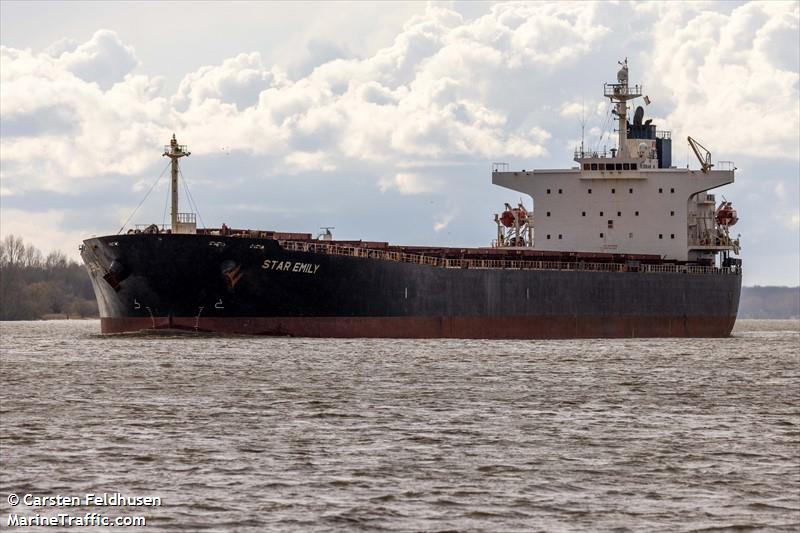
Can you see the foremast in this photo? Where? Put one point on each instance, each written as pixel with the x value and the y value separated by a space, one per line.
pixel 180 222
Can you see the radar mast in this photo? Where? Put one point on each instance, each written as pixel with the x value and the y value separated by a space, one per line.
pixel 619 93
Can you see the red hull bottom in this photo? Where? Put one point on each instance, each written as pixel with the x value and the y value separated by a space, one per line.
pixel 529 327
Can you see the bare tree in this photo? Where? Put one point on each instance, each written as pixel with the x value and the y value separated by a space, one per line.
pixel 12 250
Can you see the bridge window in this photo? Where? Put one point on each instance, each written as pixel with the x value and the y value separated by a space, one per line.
pixel 626 166
pixel 619 166
pixel 586 166
pixel 602 166
pixel 594 166
pixel 633 166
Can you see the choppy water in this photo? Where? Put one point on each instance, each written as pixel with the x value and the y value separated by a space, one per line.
pixel 255 434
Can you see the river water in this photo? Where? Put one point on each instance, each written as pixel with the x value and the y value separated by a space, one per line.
pixel 287 434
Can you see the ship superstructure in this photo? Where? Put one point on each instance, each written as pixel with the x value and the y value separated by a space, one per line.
pixel 623 245
pixel 630 200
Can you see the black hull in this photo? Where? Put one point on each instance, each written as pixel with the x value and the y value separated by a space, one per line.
pixel 177 281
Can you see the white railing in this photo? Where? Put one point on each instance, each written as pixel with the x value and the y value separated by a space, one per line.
pixel 505 264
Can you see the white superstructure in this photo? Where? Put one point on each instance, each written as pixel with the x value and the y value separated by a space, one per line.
pixel 628 201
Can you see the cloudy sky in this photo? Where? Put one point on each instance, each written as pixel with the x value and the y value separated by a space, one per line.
pixel 381 119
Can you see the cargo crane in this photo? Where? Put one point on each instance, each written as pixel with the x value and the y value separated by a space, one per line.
pixel 705 162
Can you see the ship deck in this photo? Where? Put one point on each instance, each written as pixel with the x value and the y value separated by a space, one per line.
pixel 469 257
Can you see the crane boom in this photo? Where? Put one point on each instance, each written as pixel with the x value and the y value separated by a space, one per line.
pixel 705 162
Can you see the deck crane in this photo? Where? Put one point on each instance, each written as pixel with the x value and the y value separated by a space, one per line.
pixel 705 162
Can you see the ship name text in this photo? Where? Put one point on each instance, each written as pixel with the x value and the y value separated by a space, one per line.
pixel 290 266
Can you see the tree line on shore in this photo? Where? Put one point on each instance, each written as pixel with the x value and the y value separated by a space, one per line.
pixel 34 286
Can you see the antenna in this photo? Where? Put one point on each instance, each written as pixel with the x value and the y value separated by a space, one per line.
pixel 583 122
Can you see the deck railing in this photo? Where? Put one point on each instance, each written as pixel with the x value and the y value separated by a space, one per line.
pixel 505 264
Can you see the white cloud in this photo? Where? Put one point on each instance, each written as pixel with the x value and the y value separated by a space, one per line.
pixel 733 78
pixel 443 220
pixel 104 59
pixel 409 183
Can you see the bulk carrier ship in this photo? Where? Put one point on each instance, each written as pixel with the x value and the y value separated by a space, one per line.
pixel 622 245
